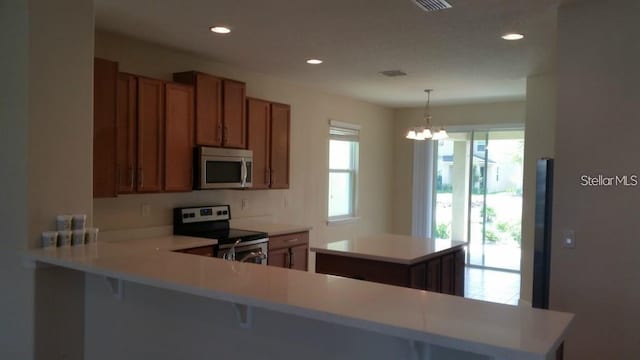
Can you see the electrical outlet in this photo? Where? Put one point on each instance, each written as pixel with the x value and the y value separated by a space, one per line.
pixel 569 239
pixel 245 204
pixel 145 209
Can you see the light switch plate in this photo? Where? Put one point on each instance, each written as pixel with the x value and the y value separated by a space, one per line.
pixel 569 239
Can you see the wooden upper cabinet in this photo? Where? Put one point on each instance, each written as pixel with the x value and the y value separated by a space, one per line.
pixel 150 145
pixel 105 78
pixel 127 128
pixel 233 115
pixel 258 140
pixel 280 139
pixel 208 106
pixel 178 137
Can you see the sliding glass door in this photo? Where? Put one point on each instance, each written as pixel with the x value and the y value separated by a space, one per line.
pixel 478 195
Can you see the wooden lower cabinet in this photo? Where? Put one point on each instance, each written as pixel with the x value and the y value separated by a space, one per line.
pixel 289 251
pixel 442 273
pixel 279 258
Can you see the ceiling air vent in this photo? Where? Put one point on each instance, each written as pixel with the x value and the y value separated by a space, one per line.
pixel 432 5
pixel 393 73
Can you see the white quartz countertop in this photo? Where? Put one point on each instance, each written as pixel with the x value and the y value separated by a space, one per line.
pixel 394 248
pixel 501 331
pixel 273 229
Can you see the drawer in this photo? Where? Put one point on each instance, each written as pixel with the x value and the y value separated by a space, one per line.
pixel 288 240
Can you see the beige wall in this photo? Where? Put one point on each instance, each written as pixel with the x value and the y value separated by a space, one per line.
pixel 539 143
pixel 46 160
pixel 16 301
pixel 306 201
pixel 453 115
pixel 597 133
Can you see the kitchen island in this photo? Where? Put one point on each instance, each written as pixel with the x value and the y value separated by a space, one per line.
pixel 420 263
pixel 388 315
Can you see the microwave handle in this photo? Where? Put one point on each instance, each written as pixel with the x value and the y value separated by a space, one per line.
pixel 244 172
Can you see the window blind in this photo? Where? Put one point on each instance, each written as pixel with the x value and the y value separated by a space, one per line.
pixel 339 130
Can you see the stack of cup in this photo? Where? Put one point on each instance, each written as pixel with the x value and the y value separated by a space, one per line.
pixel 78 225
pixel 63 225
pixel 70 231
pixel 49 239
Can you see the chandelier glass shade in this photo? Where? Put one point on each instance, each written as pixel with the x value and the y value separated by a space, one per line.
pixel 426 131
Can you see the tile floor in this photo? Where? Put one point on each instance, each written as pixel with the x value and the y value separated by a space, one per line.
pixel 492 285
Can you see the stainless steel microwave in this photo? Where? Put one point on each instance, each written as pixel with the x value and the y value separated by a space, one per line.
pixel 218 168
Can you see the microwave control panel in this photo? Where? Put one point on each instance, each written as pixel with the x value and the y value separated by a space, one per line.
pixel 205 213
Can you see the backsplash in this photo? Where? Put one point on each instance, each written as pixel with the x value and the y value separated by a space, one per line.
pixel 155 210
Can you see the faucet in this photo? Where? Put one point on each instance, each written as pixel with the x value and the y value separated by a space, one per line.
pixel 253 255
pixel 231 253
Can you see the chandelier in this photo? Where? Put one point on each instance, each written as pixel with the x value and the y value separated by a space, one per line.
pixel 426 131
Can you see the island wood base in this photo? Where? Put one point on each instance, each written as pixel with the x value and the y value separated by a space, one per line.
pixel 443 272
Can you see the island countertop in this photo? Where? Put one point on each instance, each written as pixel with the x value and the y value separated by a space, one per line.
pixel 500 331
pixel 393 248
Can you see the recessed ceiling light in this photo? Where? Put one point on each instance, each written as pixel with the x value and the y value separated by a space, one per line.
pixel 314 61
pixel 220 29
pixel 512 36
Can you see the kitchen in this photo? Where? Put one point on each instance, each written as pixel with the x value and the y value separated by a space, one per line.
pixel 47 192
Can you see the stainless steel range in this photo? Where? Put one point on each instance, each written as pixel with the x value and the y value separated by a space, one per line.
pixel 212 222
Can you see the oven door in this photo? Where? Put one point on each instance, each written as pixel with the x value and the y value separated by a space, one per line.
pixel 246 248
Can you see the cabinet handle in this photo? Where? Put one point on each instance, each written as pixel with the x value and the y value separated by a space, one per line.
pixel 140 177
pixel 131 176
pixel 293 258
pixel 287 259
pixel 273 177
pixel 266 176
pixel 225 136
pixel 219 132
pixel 291 240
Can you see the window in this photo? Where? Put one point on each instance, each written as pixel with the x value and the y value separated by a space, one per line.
pixel 343 170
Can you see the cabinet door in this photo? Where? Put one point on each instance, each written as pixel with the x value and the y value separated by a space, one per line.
pixel 280 133
pixel 459 273
pixel 258 118
pixel 447 285
pixel 433 275
pixel 279 258
pixel 178 138
pixel 299 257
pixel 150 135
pixel 105 78
pixel 208 129
pixel 127 104
pixel 234 121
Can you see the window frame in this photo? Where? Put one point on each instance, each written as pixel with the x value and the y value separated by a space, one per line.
pixel 351 133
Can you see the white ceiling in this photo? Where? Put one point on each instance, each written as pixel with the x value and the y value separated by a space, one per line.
pixel 458 52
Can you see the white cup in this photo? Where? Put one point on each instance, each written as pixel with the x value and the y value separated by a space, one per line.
pixel 77 237
pixel 79 221
pixel 63 222
pixel 91 235
pixel 49 239
pixel 64 238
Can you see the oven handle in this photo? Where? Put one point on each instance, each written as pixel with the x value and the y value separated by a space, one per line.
pixel 246 243
pixel 244 172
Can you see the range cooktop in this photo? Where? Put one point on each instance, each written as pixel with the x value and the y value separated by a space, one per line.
pixel 211 222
